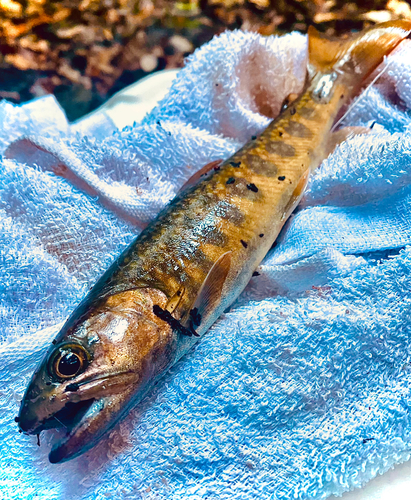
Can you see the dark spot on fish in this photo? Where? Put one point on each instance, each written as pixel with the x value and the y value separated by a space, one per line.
pixel 216 238
pixel 281 178
pixel 231 180
pixel 16 419
pixel 307 112
pixel 297 129
pixel 175 324
pixel 292 111
pixel 38 439
pixel 261 166
pixel 178 293
pixel 216 168
pixel 72 388
pixel 261 235
pixel 230 212
pixel 195 316
pixel 54 342
pixel 169 133
pixel 280 134
pixel 252 187
pixel 255 273
pixel 280 148
pixel 253 137
pixel 158 123
pixel 235 164
pixel 245 245
pixel 48 383
pixel 216 84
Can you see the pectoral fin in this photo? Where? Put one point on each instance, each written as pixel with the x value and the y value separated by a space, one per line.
pixel 288 100
pixel 209 294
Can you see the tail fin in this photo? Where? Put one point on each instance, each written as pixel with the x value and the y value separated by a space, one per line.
pixel 358 54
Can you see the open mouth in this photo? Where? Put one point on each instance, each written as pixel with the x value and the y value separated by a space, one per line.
pixel 80 435
pixel 69 416
pixel 85 410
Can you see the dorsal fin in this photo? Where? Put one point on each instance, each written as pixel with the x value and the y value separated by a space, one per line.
pixel 359 53
pixel 209 294
pixel 213 165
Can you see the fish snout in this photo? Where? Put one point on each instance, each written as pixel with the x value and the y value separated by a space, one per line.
pixel 27 420
pixel 33 415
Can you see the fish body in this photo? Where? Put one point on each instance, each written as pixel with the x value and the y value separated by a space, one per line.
pixel 190 264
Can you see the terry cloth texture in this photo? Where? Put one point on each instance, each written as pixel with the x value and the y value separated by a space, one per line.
pixel 302 389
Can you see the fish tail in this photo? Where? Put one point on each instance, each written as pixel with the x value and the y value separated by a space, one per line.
pixel 357 56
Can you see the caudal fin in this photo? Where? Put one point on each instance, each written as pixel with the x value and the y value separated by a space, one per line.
pixel 357 55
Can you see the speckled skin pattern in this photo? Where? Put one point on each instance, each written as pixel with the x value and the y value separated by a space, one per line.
pixel 240 207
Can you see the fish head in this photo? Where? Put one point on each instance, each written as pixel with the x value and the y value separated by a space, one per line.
pixel 102 362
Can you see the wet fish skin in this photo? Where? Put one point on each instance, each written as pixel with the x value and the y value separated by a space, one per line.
pixel 205 245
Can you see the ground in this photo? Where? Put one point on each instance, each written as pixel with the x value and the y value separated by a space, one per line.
pixel 84 51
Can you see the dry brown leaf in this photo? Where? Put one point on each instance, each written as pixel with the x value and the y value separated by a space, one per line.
pixel 377 16
pixel 399 8
pixel 11 8
pixel 22 61
pixel 73 75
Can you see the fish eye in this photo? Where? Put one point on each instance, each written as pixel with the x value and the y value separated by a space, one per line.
pixel 68 361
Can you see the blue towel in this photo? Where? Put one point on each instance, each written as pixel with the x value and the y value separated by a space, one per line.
pixel 302 389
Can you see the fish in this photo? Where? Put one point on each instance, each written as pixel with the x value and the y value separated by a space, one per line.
pixel 190 264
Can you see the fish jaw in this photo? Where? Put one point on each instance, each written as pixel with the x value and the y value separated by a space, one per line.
pixel 101 415
pixel 84 418
pixel 65 405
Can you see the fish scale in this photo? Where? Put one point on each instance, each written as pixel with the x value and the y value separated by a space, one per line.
pixel 194 260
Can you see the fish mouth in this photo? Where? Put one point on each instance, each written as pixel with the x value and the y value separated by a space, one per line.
pixel 97 418
pixel 73 417
pixel 86 409
pixel 68 417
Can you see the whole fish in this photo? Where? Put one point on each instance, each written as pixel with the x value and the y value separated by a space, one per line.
pixel 190 264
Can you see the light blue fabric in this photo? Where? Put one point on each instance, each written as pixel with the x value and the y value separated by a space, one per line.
pixel 302 389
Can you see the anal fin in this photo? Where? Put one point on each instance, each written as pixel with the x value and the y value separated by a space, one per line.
pixel 341 135
pixel 296 195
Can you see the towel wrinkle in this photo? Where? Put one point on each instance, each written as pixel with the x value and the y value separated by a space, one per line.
pixel 302 389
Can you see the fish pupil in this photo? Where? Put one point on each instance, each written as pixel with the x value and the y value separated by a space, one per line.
pixel 69 364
